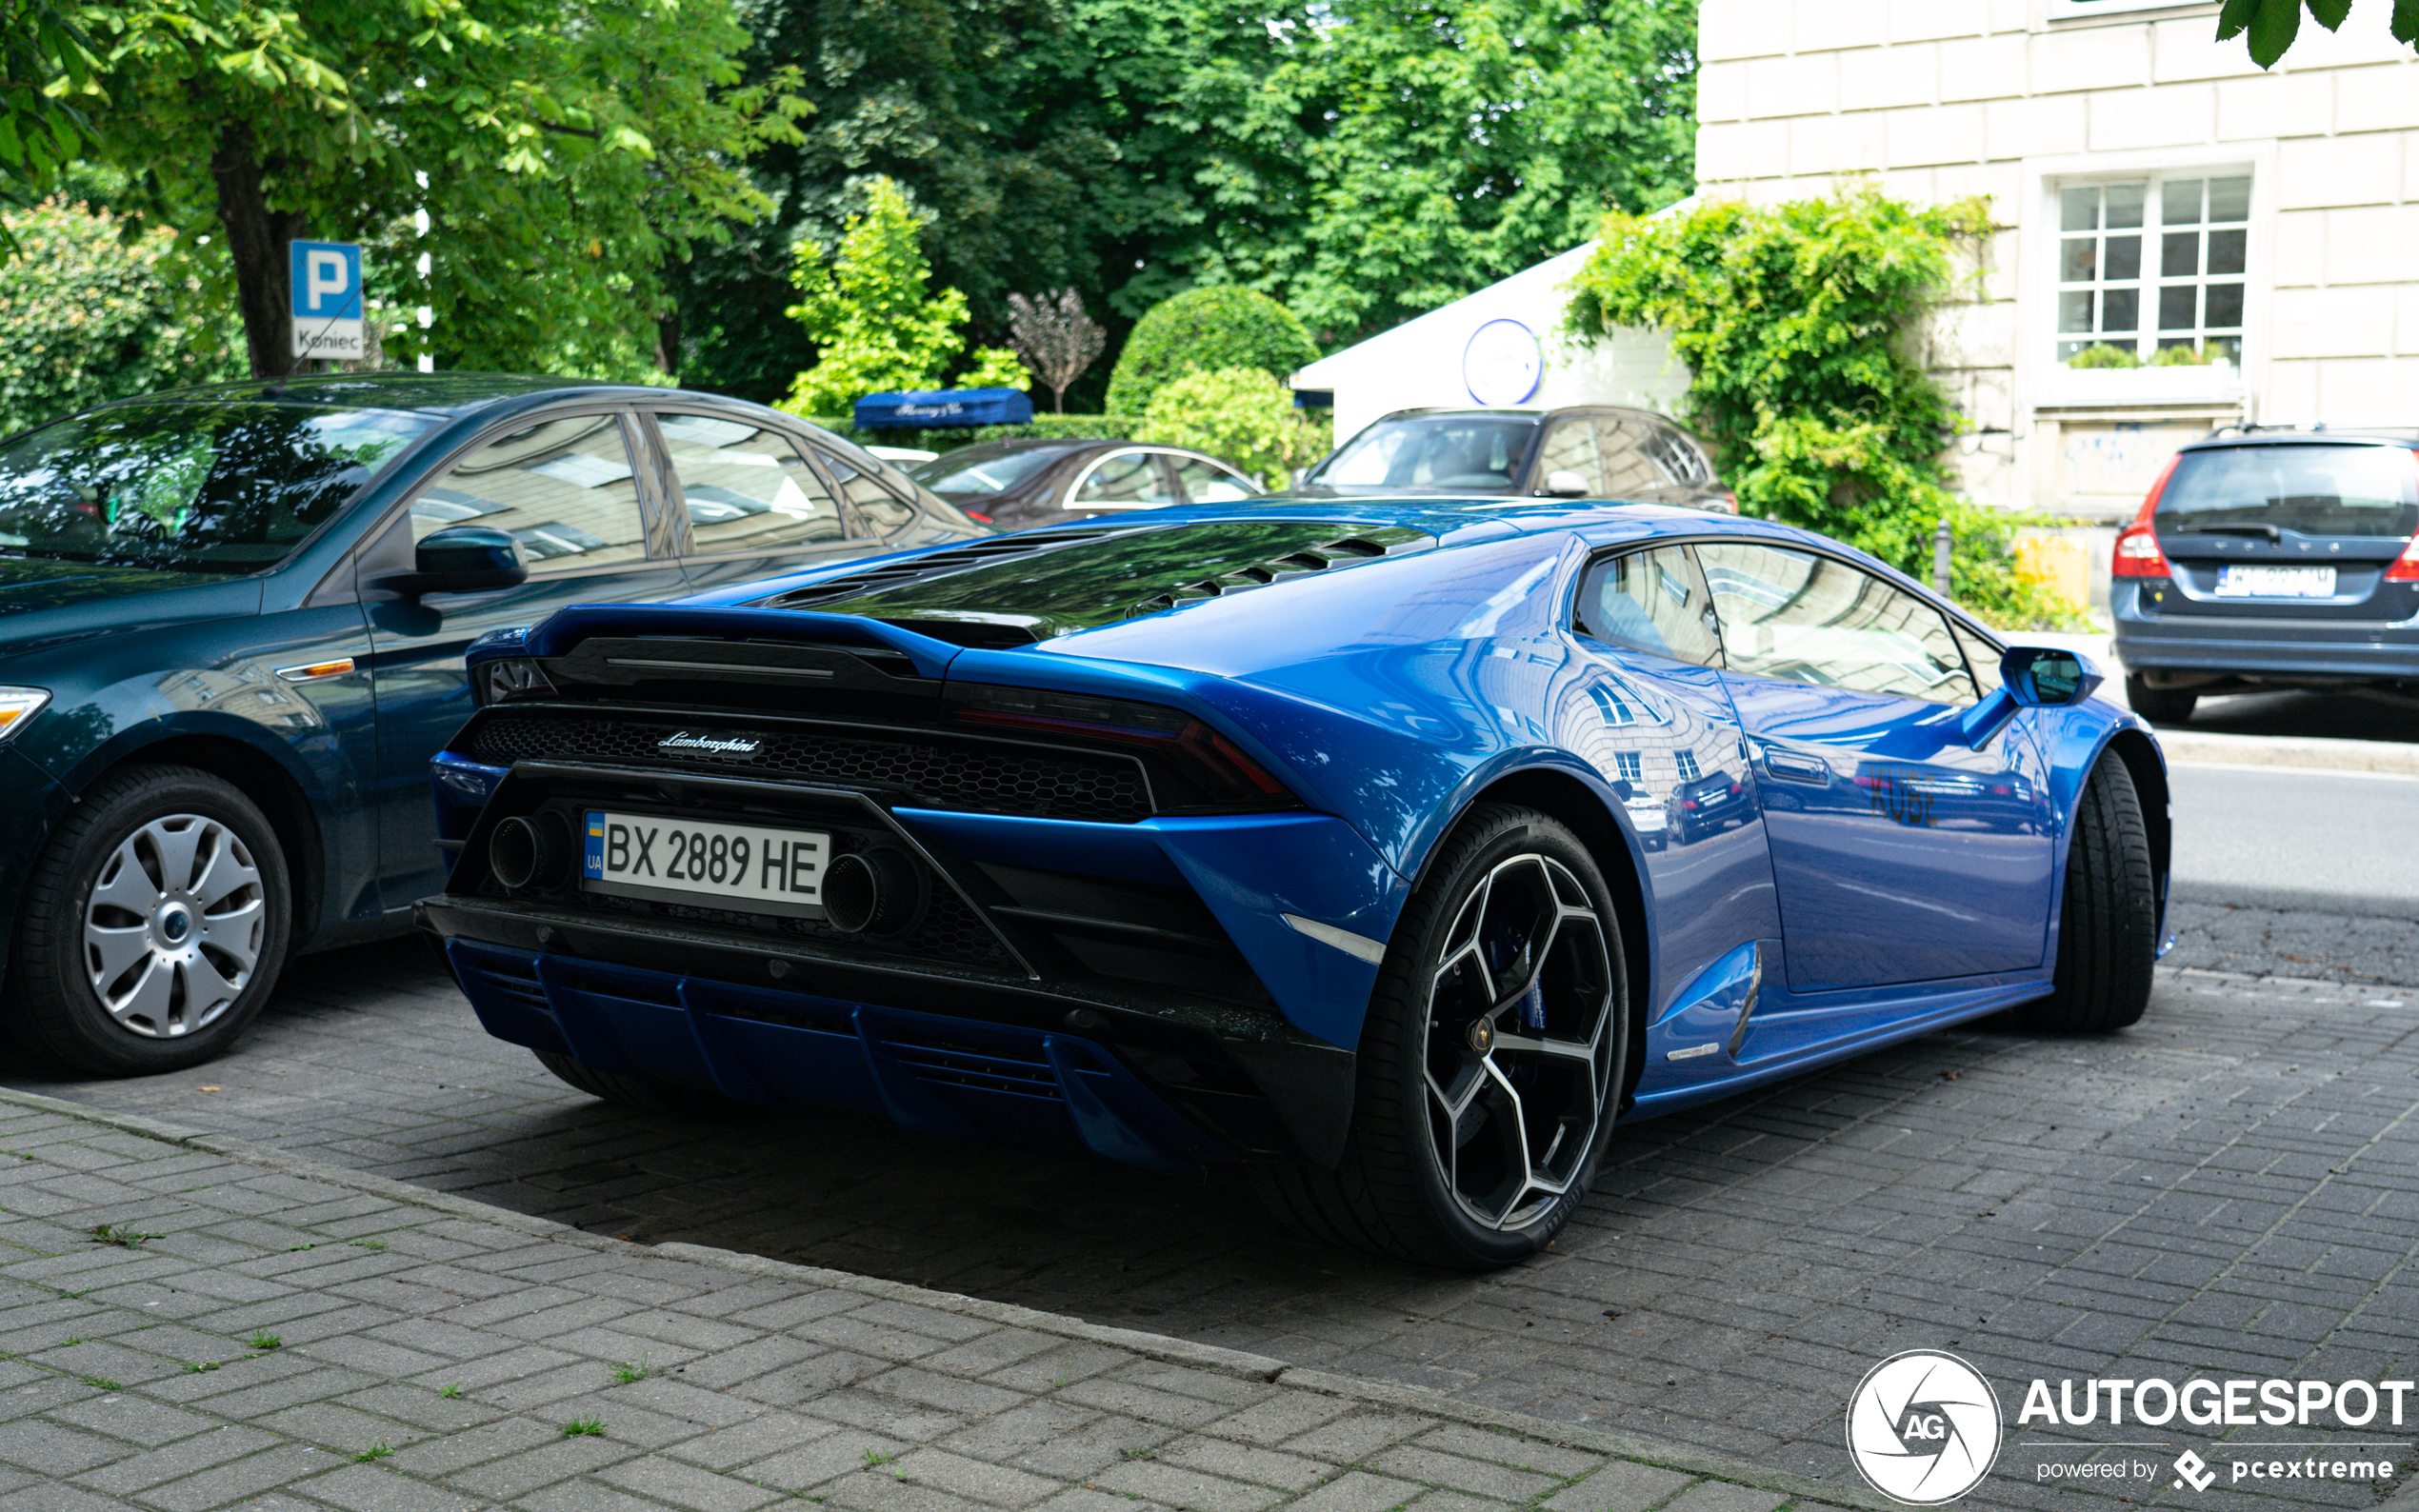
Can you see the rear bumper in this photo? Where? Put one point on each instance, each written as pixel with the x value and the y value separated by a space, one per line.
pixel 2263 648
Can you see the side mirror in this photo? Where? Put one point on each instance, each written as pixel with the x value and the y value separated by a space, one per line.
pixel 1564 484
pixel 461 559
pixel 2048 676
pixel 2031 677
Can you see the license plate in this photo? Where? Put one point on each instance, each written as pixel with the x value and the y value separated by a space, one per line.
pixel 751 867
pixel 2275 583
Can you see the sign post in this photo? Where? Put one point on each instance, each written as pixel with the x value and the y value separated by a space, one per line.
pixel 326 281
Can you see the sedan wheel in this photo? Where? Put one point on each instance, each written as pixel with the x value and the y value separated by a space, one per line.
pixel 1492 1061
pixel 153 926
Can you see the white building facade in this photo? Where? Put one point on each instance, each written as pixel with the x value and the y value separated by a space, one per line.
pixel 2159 199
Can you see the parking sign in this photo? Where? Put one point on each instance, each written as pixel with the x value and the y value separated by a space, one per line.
pixel 326 279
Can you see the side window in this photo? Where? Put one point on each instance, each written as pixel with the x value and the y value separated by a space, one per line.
pixel 1982 658
pixel 1570 447
pixel 748 489
pixel 1630 467
pixel 1207 483
pixel 1803 618
pixel 563 488
pixel 1123 480
pixel 882 510
pixel 1652 600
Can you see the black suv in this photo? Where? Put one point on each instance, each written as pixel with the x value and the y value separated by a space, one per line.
pixel 2272 557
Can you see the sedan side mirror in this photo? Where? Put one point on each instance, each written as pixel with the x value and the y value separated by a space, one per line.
pixel 2031 677
pixel 461 559
pixel 1564 484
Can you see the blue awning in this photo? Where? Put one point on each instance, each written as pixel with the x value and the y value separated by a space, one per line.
pixel 949 408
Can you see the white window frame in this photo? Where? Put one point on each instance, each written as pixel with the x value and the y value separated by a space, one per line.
pixel 2151 280
pixel 2042 379
pixel 2057 11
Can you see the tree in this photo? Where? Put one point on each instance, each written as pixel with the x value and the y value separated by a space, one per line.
pixel 585 142
pixel 1056 338
pixel 2268 27
pixel 870 315
pixel 1205 331
pixel 1799 323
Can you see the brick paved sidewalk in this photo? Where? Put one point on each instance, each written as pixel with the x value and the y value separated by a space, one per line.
pixel 190 1324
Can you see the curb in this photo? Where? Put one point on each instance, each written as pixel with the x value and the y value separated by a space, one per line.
pixel 1234 1363
pixel 2207 746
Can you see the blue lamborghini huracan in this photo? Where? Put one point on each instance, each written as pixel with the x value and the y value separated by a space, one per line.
pixel 1399 848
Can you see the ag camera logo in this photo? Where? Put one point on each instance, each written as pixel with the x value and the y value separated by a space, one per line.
pixel 1923 1428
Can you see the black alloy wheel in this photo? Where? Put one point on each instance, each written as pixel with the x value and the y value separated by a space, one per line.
pixel 1492 1061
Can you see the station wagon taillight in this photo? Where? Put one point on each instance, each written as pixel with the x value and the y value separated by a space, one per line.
pixel 2405 568
pixel 2137 545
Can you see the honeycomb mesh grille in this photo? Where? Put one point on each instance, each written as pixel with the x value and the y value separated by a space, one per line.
pixel 948 930
pixel 937 774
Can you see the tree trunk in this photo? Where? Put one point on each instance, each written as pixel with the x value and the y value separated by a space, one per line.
pixel 668 342
pixel 256 238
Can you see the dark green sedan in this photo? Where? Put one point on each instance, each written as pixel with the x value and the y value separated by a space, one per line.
pixel 231 628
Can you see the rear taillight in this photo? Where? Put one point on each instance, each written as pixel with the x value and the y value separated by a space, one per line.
pixel 2137 545
pixel 2405 568
pixel 1226 777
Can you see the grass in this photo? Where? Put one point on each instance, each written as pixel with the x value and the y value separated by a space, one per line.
pixel 69 1344
pixel 368 1243
pixel 453 1390
pixel 582 1427
pixel 1141 1454
pixel 263 1338
pixel 879 1456
pixel 376 1451
pixel 194 1367
pixel 102 1382
pixel 128 1238
pixel 639 1369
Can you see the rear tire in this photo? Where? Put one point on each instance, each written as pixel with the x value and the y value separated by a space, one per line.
pixel 1492 1064
pixel 2107 930
pixel 2160 706
pixel 153 926
pixel 649 1094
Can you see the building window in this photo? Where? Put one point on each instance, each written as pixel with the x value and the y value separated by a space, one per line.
pixel 1627 766
pixel 2152 270
pixel 1686 762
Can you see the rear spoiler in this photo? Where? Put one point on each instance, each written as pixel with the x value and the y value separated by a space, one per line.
pixel 566 629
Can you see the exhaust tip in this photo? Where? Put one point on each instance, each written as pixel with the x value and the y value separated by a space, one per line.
pixel 874 892
pixel 532 850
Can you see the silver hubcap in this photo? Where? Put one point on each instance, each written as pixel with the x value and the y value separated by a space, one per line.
pixel 172 929
pixel 1519 1042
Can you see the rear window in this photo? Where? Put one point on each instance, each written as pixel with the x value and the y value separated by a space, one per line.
pixel 959 473
pixel 2307 488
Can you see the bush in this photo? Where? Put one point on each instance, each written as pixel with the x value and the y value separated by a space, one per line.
pixel 1241 414
pixel 1204 330
pixel 1799 323
pixel 87 316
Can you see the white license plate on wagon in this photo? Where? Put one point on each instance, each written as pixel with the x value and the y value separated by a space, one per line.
pixel 749 867
pixel 2275 583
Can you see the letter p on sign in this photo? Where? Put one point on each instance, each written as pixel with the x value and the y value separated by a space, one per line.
pixel 326 279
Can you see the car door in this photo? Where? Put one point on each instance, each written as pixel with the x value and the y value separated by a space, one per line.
pixel 1902 852
pixel 1570 446
pixel 566 487
pixel 1136 479
pixel 746 504
pixel 1658 726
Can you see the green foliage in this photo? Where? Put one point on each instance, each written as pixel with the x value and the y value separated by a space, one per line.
pixel 1361 160
pixel 1238 413
pixel 2103 355
pixel 582 141
pixel 1205 331
pixel 1799 323
pixel 91 311
pixel 2271 26
pixel 582 1428
pixel 877 329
